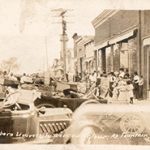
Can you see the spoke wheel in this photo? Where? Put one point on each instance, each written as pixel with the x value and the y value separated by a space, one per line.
pixel 132 124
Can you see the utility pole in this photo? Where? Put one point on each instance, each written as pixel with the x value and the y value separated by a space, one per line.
pixel 64 39
pixel 47 76
pixel 64 36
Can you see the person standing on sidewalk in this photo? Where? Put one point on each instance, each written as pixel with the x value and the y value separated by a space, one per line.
pixel 130 92
pixel 112 80
pixel 136 85
pixel 121 73
pixel 122 89
pixel 141 83
pixel 98 84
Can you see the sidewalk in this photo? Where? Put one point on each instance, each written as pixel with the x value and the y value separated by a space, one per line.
pixel 145 101
pixel 135 101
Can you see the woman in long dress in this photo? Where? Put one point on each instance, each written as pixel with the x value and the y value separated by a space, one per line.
pixel 122 88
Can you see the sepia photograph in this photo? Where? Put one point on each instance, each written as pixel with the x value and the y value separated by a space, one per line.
pixel 74 74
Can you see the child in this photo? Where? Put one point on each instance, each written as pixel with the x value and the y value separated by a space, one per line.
pixel 130 91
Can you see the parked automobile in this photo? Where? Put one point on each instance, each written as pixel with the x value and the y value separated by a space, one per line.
pixel 70 98
pixel 21 121
pixel 94 123
pixel 60 102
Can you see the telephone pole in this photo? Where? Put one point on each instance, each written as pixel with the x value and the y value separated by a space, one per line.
pixel 64 39
pixel 64 36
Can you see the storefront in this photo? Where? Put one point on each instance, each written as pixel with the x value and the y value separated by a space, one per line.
pixel 127 37
pixel 119 52
pixel 124 51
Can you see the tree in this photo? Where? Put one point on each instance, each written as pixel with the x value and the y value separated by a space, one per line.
pixel 10 65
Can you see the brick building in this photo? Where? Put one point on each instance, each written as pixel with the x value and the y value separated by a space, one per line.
pixel 122 40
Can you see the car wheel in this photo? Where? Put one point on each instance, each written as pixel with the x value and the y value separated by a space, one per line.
pixel 132 124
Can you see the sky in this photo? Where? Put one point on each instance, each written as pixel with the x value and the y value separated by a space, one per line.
pixel 27 25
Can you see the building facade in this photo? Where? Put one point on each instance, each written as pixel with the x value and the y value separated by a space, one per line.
pixel 90 65
pixel 122 41
pixel 84 54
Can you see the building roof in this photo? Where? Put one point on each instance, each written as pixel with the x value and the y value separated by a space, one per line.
pixel 102 17
pixel 84 39
pixel 88 39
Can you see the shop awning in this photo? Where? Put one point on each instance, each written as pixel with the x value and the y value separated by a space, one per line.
pixel 146 42
pixel 101 45
pixel 121 37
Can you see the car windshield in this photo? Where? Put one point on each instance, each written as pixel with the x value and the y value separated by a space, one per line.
pixel 14 101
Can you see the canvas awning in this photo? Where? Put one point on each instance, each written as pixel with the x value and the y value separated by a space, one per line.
pixel 99 46
pixel 121 37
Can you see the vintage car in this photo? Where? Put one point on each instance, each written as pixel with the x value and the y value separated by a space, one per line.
pixel 39 100
pixel 21 121
pixel 46 99
pixel 94 123
pixel 60 102
pixel 69 97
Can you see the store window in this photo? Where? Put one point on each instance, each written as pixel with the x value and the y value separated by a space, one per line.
pixel 116 57
pixel 124 56
pixel 108 59
pixel 132 55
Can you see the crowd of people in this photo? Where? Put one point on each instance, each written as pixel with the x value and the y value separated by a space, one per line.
pixel 120 86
